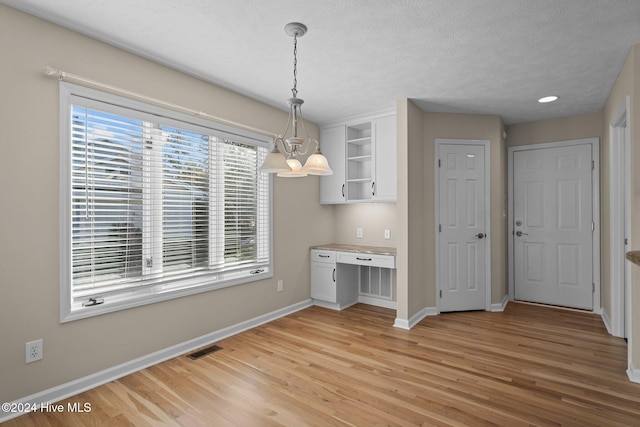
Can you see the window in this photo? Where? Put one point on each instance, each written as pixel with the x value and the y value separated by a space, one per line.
pixel 155 205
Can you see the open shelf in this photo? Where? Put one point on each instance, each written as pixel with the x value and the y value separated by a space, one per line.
pixel 376 281
pixel 359 161
pixel 360 141
pixel 364 158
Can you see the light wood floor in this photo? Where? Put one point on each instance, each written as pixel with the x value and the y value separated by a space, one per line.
pixel 530 365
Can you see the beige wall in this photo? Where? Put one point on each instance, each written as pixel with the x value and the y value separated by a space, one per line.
pixel 420 220
pixel 417 132
pixel 635 207
pixel 373 218
pixel 627 84
pixel 566 129
pixel 412 218
pixel 597 125
pixel 413 222
pixel 552 130
pixel 402 204
pixel 482 127
pixel 29 220
pixel 405 219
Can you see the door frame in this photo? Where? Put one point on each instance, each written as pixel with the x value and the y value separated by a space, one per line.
pixel 595 188
pixel 487 211
pixel 619 216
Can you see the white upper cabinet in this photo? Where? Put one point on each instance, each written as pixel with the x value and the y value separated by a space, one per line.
pixel 362 154
pixel 385 183
pixel 332 143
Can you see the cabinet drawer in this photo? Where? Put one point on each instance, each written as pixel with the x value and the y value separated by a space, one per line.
pixel 320 255
pixel 385 261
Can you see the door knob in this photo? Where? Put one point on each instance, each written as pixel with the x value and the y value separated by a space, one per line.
pixel 480 235
pixel 520 233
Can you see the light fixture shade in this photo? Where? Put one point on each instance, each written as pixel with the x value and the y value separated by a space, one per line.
pixel 275 162
pixel 296 169
pixel 317 164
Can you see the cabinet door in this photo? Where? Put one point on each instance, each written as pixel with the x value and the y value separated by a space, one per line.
pixel 385 183
pixel 323 281
pixel 332 144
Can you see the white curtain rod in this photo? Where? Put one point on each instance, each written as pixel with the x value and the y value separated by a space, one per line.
pixel 61 75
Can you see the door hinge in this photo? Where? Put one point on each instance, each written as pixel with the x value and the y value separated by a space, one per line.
pixel 593 226
pixel 593 289
pixel 593 165
pixel 440 228
pixel 439 163
pixel 440 293
pixel 626 241
pixel 149 262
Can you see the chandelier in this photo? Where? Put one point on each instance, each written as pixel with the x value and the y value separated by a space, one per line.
pixel 295 147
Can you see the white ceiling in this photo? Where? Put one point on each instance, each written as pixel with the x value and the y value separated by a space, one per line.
pixel 468 56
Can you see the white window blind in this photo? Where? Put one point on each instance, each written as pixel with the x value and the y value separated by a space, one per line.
pixel 158 205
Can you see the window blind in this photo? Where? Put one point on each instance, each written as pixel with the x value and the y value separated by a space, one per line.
pixel 107 206
pixel 185 200
pixel 156 201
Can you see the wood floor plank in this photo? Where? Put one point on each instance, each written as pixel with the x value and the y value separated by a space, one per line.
pixel 528 366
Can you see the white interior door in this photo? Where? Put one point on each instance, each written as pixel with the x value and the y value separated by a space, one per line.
pixel 462 242
pixel 553 220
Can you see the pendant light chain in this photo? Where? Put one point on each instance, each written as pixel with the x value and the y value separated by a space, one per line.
pixel 294 90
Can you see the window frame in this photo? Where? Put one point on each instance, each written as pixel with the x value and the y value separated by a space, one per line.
pixel 161 289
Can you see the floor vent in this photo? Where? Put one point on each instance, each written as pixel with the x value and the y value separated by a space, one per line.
pixel 203 352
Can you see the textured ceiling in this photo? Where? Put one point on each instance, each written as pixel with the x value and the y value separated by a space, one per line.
pixel 469 56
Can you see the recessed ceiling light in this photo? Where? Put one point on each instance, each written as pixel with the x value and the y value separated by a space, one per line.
pixel 547 99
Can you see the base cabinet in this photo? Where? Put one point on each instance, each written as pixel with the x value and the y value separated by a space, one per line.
pixel 338 279
pixel 323 282
pixel 332 285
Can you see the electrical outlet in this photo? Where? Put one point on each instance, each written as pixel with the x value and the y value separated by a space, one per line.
pixel 280 286
pixel 33 351
pixel 387 234
pixel 359 232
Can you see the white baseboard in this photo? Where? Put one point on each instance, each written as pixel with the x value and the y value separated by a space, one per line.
pixel 413 321
pixel 74 387
pixel 606 320
pixel 401 324
pixel 361 299
pixel 333 305
pixel 501 305
pixel 633 373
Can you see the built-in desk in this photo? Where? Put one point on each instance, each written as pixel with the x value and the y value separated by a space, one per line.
pixel 342 275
